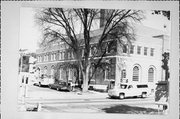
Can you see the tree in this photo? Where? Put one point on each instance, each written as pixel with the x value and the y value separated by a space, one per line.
pixel 164 13
pixel 75 27
pixel 165 64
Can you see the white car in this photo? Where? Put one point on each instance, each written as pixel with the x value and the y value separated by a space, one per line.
pixel 129 90
pixel 45 81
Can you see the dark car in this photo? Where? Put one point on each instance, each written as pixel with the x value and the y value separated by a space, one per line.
pixel 61 86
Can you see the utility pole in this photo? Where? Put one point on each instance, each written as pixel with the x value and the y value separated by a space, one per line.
pixel 22 78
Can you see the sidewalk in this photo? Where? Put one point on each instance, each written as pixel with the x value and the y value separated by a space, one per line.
pixel 33 100
pixel 68 95
pixel 59 100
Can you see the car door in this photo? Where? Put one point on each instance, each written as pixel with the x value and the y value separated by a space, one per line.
pixel 129 91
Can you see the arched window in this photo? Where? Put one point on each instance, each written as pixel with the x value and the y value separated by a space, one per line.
pixel 51 57
pixel 60 53
pixel 136 73
pixel 151 75
pixel 38 71
pixel 60 73
pixel 52 71
pixel 45 70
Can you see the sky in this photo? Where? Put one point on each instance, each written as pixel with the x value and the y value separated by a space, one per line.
pixel 30 33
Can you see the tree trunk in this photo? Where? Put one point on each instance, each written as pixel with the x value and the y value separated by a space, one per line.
pixel 85 79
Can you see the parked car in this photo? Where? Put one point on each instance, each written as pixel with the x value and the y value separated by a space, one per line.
pixel 129 90
pixel 44 81
pixel 61 86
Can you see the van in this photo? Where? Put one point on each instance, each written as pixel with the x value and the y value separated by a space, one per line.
pixel 129 90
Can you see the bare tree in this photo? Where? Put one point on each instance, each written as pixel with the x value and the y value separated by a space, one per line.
pixel 76 28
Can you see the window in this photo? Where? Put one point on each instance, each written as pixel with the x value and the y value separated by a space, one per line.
pixel 68 55
pixel 136 73
pixel 145 50
pixel 72 55
pixel 71 73
pixel 82 52
pixel 123 86
pixel 40 58
pixel 124 48
pixel 151 75
pixel 105 73
pixel 60 55
pixel 60 72
pixel 44 57
pixel 132 49
pixel 94 51
pixel 52 71
pixel 123 73
pixel 152 52
pixel 54 56
pixel 139 50
pixel 130 86
pixel 47 57
pixel 51 57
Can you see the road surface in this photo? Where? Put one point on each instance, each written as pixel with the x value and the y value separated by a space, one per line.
pixel 62 101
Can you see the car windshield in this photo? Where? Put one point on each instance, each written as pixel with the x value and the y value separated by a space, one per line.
pixel 123 86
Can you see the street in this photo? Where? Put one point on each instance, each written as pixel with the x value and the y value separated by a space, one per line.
pixel 63 101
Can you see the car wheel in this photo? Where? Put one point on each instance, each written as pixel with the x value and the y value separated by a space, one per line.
pixel 121 96
pixel 144 95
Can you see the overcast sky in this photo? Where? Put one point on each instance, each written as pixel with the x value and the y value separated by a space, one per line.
pixel 30 33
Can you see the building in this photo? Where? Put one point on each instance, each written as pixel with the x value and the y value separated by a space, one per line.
pixel 26 67
pixel 140 62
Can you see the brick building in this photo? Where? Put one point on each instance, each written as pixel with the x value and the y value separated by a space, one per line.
pixel 141 62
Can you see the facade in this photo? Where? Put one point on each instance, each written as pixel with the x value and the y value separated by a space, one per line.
pixel 143 63
pixel 140 62
pixel 26 68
